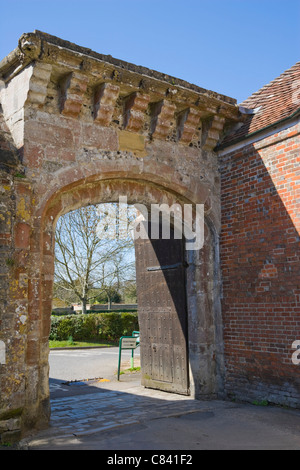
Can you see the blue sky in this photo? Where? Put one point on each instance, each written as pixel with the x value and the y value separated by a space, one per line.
pixel 233 47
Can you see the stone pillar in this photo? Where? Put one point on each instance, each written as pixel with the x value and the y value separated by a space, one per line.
pixel 205 322
pixel 13 310
pixel 24 330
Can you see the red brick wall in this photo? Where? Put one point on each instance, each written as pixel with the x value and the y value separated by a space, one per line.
pixel 260 259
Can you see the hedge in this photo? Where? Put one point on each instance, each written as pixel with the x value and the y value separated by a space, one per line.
pixel 108 326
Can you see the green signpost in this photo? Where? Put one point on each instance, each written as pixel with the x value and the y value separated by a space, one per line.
pixel 128 342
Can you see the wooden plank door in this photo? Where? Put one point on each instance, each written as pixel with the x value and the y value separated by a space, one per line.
pixel 161 296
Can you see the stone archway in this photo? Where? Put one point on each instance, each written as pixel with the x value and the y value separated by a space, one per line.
pixel 205 339
pixel 84 129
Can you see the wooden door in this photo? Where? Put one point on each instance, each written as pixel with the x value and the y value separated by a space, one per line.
pixel 161 296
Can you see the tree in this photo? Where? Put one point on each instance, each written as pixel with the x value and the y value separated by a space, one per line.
pixel 85 260
pixel 102 298
pixel 129 292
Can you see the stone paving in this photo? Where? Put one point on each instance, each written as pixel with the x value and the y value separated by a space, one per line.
pixel 110 416
pixel 106 408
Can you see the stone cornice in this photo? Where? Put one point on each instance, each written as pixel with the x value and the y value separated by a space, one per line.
pixel 136 98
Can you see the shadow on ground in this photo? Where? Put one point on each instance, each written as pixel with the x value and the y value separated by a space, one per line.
pixel 95 415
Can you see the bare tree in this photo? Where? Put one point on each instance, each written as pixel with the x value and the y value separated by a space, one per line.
pixel 86 260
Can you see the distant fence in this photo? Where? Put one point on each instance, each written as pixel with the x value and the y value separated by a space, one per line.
pixel 114 307
pixel 94 308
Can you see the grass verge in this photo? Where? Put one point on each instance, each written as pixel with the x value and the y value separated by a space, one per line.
pixel 131 369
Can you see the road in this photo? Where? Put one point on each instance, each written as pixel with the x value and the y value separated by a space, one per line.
pixel 82 364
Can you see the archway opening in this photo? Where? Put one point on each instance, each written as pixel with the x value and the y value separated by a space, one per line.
pixel 95 247
pixel 94 294
pixel 203 341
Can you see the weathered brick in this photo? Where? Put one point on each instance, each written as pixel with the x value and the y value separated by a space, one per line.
pixel 162 115
pixel 104 101
pixel 22 235
pixel 134 113
pixel 73 88
pixel 99 137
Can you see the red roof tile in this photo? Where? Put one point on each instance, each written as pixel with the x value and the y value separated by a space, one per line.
pixel 274 102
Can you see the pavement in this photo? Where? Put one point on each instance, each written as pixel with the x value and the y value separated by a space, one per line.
pixel 111 415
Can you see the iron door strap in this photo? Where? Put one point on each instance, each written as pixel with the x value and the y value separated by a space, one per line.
pixel 168 266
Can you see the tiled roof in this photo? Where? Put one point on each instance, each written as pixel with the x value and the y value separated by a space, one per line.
pixel 274 102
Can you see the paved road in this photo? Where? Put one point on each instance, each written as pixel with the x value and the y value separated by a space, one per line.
pixel 74 365
pixel 67 365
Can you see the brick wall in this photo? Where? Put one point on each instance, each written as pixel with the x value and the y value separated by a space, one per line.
pixel 260 259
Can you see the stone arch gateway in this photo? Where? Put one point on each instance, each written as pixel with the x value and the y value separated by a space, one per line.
pixel 81 128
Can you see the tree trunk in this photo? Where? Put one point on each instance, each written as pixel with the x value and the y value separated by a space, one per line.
pixel 83 306
pixel 109 303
